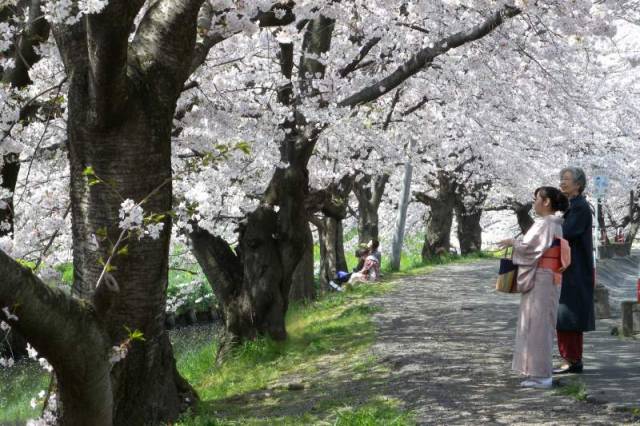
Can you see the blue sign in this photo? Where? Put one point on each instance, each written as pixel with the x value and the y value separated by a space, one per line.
pixel 600 185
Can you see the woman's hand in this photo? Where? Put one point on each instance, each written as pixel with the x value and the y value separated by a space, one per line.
pixel 506 243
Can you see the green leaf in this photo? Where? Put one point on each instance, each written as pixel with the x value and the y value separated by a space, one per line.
pixel 102 232
pixel 134 334
pixel 27 264
pixel 244 146
pixel 89 171
pixel 124 251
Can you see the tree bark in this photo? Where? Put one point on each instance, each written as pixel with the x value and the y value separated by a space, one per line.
pixel 303 284
pixel 369 191
pixel 10 169
pixel 79 352
pixel 253 284
pixel 524 218
pixel 439 217
pixel 469 230
pixel 121 101
pixel 332 258
pixel 468 216
pixel 438 221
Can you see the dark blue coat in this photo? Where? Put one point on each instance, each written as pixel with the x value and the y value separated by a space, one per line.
pixel 576 311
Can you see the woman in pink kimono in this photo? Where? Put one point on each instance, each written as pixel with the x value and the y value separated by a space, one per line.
pixel 541 255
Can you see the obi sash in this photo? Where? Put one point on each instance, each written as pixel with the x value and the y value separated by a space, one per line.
pixel 556 257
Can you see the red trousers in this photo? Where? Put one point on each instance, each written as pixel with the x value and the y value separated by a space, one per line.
pixel 570 345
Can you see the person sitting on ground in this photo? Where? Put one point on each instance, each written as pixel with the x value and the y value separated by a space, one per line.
pixel 369 272
pixel 343 277
pixel 373 249
pixel 361 255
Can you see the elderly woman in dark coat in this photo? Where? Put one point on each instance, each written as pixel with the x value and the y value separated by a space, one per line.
pixel 576 311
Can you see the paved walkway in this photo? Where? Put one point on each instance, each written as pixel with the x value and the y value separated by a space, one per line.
pixel 448 337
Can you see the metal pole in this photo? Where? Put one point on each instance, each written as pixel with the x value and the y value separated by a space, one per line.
pixel 597 239
pixel 398 235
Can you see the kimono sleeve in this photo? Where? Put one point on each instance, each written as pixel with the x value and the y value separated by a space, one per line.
pixel 527 251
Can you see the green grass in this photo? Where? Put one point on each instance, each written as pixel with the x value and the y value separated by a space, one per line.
pixel 575 389
pixel 338 324
pixel 381 411
pixel 18 385
pixel 326 345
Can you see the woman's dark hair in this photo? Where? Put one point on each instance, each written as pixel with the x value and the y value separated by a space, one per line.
pixel 559 201
pixel 374 245
pixel 363 251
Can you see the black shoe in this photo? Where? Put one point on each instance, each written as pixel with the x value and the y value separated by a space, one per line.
pixel 575 367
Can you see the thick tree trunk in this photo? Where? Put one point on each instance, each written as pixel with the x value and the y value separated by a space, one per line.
pixel 146 386
pixel 271 244
pixel 253 284
pixel 122 97
pixel 303 284
pixel 438 221
pixel 470 199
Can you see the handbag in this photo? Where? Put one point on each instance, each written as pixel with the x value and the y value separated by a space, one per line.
pixel 507 275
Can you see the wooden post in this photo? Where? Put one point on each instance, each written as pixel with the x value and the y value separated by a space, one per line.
pixel 627 318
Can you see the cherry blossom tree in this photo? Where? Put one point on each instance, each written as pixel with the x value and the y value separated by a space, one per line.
pixel 268 108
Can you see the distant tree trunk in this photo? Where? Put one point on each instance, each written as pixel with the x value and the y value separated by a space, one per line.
pixel 439 217
pixel 524 218
pixel 369 191
pixel 469 231
pixel 470 199
pixel 10 169
pixel 24 55
pixel 302 284
pixel 604 238
pixel 633 219
pixel 438 221
pixel 332 257
pixel 633 232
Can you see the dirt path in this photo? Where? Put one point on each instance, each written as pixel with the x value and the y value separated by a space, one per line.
pixel 448 336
